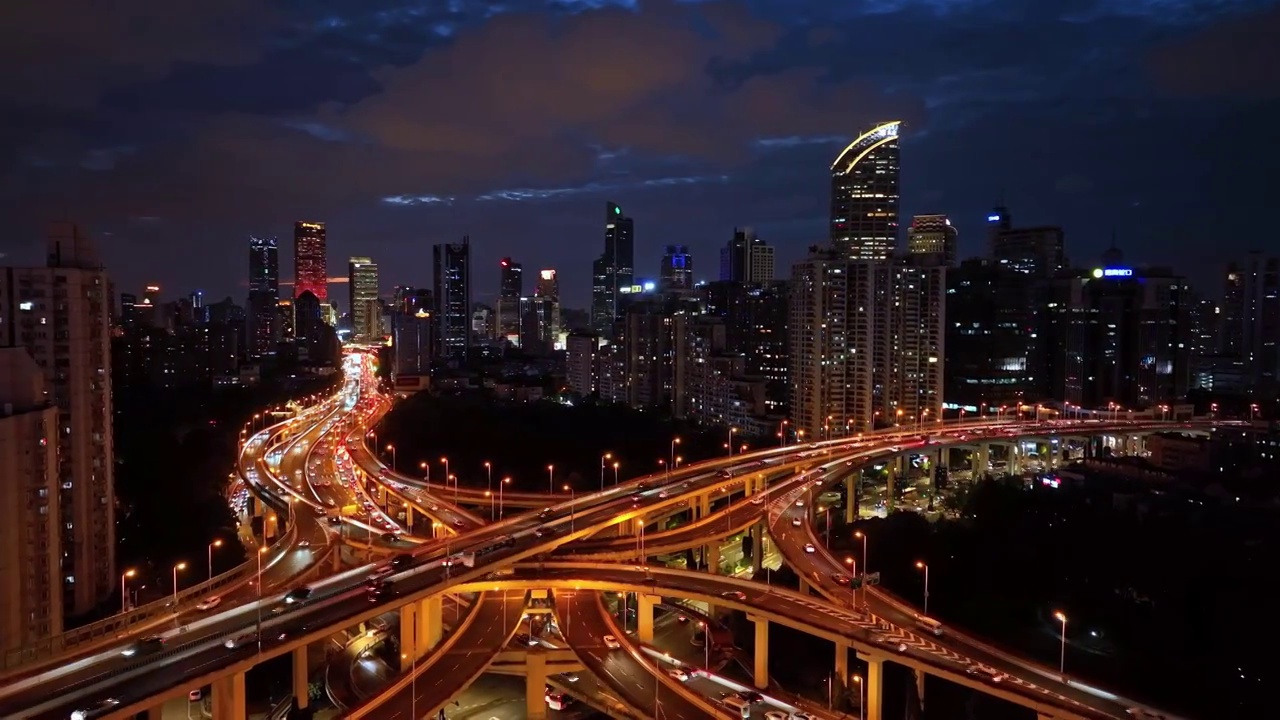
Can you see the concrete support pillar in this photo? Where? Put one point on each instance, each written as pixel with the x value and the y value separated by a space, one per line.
pixel 711 554
pixel 382 495
pixel 851 498
pixel 842 668
pixel 760 676
pixel 892 475
pixel 408 635
pixel 874 690
pixel 804 587
pixel 535 685
pixel 408 517
pixel 155 713
pixel 228 697
pixel 702 506
pixel 430 623
pixel 981 459
pixel 301 677
pixel 757 548
pixel 644 616
pixel 920 676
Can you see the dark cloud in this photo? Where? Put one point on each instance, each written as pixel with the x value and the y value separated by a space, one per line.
pixel 1238 59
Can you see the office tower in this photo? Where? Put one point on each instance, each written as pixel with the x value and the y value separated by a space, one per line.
pixel 932 234
pixel 59 314
pixel 1034 250
pixel 413 341
pixel 1250 316
pixel 676 273
pixel 995 337
pixel 452 264
pixel 539 318
pixel 128 311
pixel 614 269
pixel 548 285
pixel 582 363
pixel 366 310
pixel 308 319
pixel 510 289
pixel 864 195
pixel 30 544
pixel 755 320
pixel 866 342
pixel 264 294
pixel 1119 334
pixel 310 261
pixel 287 320
pixel 746 258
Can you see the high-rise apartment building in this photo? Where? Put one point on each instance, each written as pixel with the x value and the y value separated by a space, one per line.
pixel 366 309
pixel 864 195
pixel 264 294
pixel 582 363
pixel 1037 251
pixel 310 260
pixel 287 320
pixel 510 290
pixel 676 272
pixel 613 270
pixel 31 595
pixel 932 235
pixel 746 258
pixel 59 314
pixel 1250 320
pixel 452 291
pixel 866 343
pixel 755 319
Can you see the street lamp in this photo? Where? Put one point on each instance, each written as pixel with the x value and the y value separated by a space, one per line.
pixel 505 481
pixel 215 544
pixel 176 568
pixel 1062 656
pixel 573 500
pixel 426 467
pixel 732 430
pixel 445 460
pixel 865 562
pixel 262 550
pixel 488 468
pixel 124 593
pixel 551 479
pixel 925 566
pixel 603 458
pixel 392 449
pixel 674 443
pixel 782 433
pixel 615 473
pixel 857 680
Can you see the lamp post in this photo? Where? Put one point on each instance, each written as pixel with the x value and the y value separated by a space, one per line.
pixel 615 473
pixel 732 430
pixel 505 481
pixel 218 543
pixel 674 443
pixel 551 479
pixel 426 468
pixel 124 593
pixel 445 460
pixel 488 468
pixel 857 680
pixel 392 449
pixel 573 500
pixel 925 566
pixel 865 562
pixel 782 433
pixel 176 568
pixel 603 458
pixel 261 551
pixel 1062 655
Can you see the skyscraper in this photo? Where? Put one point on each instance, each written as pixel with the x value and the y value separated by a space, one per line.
pixel 932 235
pixel 510 288
pixel 864 195
pixel 59 314
pixel 1035 251
pixel 548 290
pixel 362 285
pixel 310 264
pixel 746 258
pixel 614 269
pixel 452 263
pixel 676 272
pixel 264 293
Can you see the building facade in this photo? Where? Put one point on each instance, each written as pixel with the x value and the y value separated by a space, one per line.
pixel 452 291
pixel 746 258
pixel 264 293
pixel 366 309
pixel 510 290
pixel 864 195
pixel 613 270
pixel 676 271
pixel 310 260
pixel 933 235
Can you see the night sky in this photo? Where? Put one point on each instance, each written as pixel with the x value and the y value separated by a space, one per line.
pixel 173 129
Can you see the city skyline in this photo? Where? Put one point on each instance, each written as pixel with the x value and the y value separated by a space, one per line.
pixel 983 127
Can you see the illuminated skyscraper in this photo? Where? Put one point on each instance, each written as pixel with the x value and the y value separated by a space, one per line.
pixel 453 297
pixel 932 235
pixel 614 269
pixel 746 258
pixel 510 288
pixel 676 273
pixel 362 285
pixel 264 294
pixel 548 285
pixel 864 195
pixel 310 268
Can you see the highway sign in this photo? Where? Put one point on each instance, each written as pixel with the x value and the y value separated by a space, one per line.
pixel 873 578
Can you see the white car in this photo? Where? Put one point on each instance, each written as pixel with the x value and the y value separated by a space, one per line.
pixel 98 708
pixel 209 603
pixel 611 642
pixel 800 503
pixel 809 548
pixel 776 715
pixel 678 674
pixel 758 500
pixel 796 522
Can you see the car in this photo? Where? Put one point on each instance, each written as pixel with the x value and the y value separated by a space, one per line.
pixel 758 500
pixel 304 543
pixel 734 594
pixel 546 512
pixel 435 508
pixel 240 640
pixel 800 503
pixel 390 537
pixel 99 708
pixel 776 715
pixel 195 695
pixel 611 642
pixel 637 498
pixel 297 595
pixel 335 520
pixel 209 603
pixel 570 677
pixel 840 578
pixel 682 618
pixel 458 523
pixel 544 531
pixel 664 495
pixel 801 715
pixel 382 591
pixel 796 522
pixel 144 646
pixel 809 548
pixel 678 674
pixel 400 561
pixel 751 696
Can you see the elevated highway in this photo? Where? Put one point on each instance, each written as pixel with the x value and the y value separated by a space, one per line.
pixel 139 683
